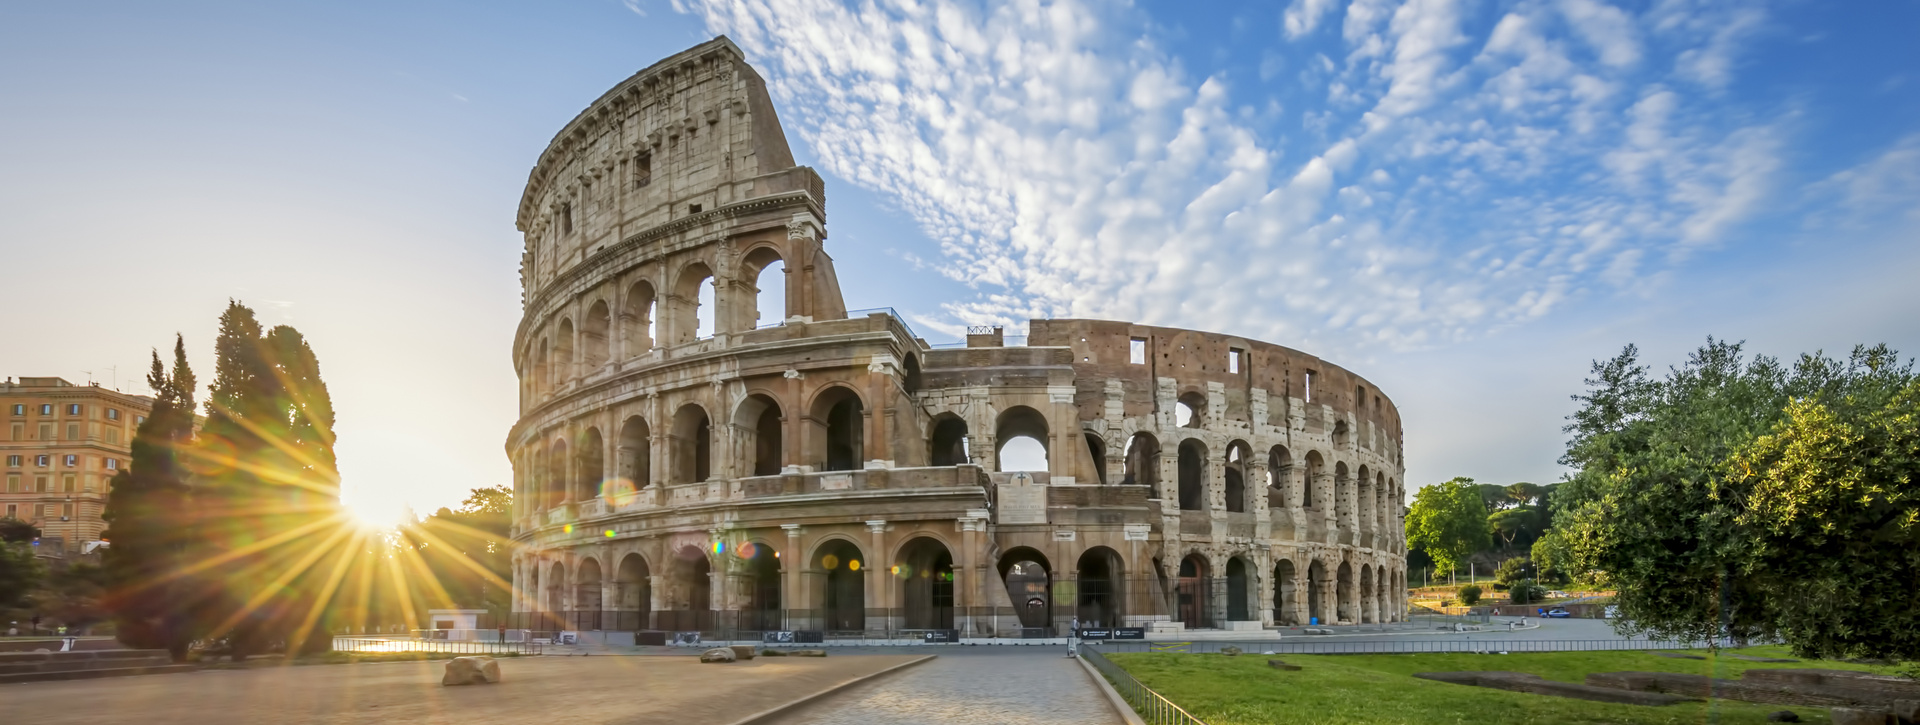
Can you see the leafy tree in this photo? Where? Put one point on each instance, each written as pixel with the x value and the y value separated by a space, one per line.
pixel 1520 523
pixel 1493 497
pixel 20 574
pixel 1549 555
pixel 1449 521
pixel 469 551
pixel 1513 570
pixel 72 595
pixel 15 531
pixel 147 520
pixel 1671 499
pixel 268 491
pixel 1526 591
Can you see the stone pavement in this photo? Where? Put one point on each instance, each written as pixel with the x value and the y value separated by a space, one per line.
pixel 999 685
pixel 573 690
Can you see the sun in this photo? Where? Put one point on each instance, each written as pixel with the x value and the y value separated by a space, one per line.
pixel 375 515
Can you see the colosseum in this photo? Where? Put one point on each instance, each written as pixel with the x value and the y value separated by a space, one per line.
pixel 710 441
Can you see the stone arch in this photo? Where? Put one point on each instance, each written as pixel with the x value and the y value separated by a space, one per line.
pixel 1142 461
pixel 1366 606
pixel 1194 592
pixel 1193 475
pixel 925 573
pixel 634 464
pixel 1344 594
pixel 910 377
pixel 542 372
pixel 1310 493
pixel 558 482
pixel 837 421
pixel 839 563
pixel 1235 475
pixel 1029 581
pixel 1340 435
pixel 1021 422
pixel 587 594
pixel 592 452
pixel 633 592
pixel 762 607
pixel 1286 593
pixel 1101 581
pixel 1317 591
pixel 1097 452
pixel 684 325
pixel 689 592
pixel 690 445
pixel 757 433
pixel 769 306
pixel 596 336
pixel 949 442
pixel 1279 474
pixel 1190 410
pixel 556 597
pixel 636 319
pixel 1241 591
pixel 562 366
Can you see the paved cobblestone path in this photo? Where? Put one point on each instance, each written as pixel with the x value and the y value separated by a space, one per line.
pixel 1026 687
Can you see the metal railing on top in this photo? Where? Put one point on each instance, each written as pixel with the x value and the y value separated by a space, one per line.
pixel 1152 706
pixel 402 644
pixel 1465 644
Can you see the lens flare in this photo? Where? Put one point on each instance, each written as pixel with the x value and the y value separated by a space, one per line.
pixel 829 562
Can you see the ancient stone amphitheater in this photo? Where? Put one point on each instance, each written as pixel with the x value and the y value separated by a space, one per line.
pixel 709 440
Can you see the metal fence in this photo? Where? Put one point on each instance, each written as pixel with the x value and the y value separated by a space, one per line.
pixel 1152 706
pixel 398 644
pixel 1450 645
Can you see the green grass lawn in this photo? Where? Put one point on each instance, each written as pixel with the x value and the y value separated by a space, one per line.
pixel 1243 690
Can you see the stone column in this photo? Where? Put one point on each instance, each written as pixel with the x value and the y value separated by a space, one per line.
pixel 878 595
pixel 966 580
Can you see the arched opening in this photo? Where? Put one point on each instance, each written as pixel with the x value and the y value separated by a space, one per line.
pixel 1194 593
pixel 691 441
pixel 1339 436
pixel 586 596
pixel 769 275
pixel 925 572
pixel 762 569
pixel 949 446
pixel 1310 490
pixel 910 374
pixel 1238 588
pixel 1100 587
pixel 692 304
pixel 635 467
pixel 1193 475
pixel 636 319
pixel 1316 601
pixel 1097 452
pixel 839 423
pixel 1285 596
pixel 1279 475
pixel 634 589
pixel 1029 584
pixel 1022 433
pixel 757 430
pixel 1342 493
pixel 592 462
pixel 1343 593
pixel 1190 411
pixel 1235 477
pixel 1366 604
pixel 594 337
pixel 557 479
pixel 1143 461
pixel 843 603
pixel 562 365
pixel 558 608
pixel 542 380
pixel 689 594
pixel 1363 501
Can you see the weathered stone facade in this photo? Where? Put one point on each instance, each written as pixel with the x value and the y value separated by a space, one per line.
pixel 811 469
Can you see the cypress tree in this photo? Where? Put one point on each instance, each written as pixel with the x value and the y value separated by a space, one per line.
pixel 145 512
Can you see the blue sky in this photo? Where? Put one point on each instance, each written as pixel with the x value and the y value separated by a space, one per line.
pixel 1464 200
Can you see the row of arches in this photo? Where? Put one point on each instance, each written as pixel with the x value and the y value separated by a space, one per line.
pixel 838 588
pixel 697 304
pixel 1367 497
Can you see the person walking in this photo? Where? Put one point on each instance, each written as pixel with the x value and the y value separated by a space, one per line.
pixel 1073 636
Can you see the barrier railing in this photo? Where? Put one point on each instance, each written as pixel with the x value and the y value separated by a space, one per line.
pixel 398 644
pixel 1451 645
pixel 1152 706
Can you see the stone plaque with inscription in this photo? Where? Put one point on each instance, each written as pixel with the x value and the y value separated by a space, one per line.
pixel 1022 501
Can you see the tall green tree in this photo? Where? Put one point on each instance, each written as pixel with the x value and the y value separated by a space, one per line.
pixel 1661 510
pixel 1449 521
pixel 267 490
pixel 20 573
pixel 469 551
pixel 147 517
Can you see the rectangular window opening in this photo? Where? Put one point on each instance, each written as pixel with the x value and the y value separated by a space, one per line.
pixel 693 208
pixel 1233 359
pixel 1137 351
pixel 1309 391
pixel 642 170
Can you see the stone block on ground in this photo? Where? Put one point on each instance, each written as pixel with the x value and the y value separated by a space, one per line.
pixel 718 654
pixel 807 653
pixel 1537 685
pixel 480 670
pixel 773 653
pixel 742 651
pixel 1230 651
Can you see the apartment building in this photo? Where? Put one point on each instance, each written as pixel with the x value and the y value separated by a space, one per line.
pixel 60 445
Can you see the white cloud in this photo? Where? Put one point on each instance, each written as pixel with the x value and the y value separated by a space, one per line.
pixel 1609 30
pixel 1302 16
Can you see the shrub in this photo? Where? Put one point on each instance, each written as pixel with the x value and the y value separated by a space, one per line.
pixel 1526 591
pixel 1470 594
pixel 1513 570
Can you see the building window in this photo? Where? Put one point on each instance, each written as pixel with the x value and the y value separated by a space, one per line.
pixel 113 464
pixel 693 208
pixel 73 409
pixel 1137 351
pixel 42 460
pixel 66 509
pixel 13 511
pixel 66 484
pixel 1234 356
pixel 19 409
pixel 113 414
pixel 46 409
pixel 566 219
pixel 39 484
pixel 13 484
pixel 139 420
pixel 46 431
pixel 73 431
pixel 19 432
pixel 13 461
pixel 1310 376
pixel 642 170
pixel 72 460
pixel 113 436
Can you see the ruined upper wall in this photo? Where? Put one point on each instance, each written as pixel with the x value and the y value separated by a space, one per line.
pixel 690 134
pixel 1102 350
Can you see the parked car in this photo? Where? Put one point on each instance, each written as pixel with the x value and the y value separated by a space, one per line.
pixel 1557 613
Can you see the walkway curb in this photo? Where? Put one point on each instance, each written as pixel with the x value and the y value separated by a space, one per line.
pixel 1120 706
pixel 768 716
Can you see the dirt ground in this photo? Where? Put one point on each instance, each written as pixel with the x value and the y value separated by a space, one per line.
pixel 573 690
